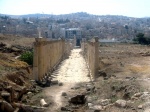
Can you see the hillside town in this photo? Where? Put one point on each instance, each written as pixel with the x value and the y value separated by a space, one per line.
pixel 56 26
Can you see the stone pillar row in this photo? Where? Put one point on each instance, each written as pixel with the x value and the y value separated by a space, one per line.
pixel 90 50
pixel 47 55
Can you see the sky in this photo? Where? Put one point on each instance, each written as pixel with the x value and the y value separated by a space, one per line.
pixel 131 8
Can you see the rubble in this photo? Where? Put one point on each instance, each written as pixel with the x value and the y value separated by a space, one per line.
pixel 64 94
pixel 78 99
pixel 43 103
pixel 121 103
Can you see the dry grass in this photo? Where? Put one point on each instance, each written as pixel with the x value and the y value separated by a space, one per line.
pixel 11 62
pixel 8 63
pixel 16 40
pixel 139 68
pixel 6 59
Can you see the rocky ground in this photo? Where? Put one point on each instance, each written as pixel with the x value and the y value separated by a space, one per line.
pixel 15 75
pixel 123 83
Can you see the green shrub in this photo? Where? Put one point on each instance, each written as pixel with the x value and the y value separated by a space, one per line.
pixel 27 57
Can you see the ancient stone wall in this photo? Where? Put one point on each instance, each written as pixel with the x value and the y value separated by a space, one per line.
pixel 91 53
pixel 47 55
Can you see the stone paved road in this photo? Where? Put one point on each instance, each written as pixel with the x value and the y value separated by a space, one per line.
pixel 70 72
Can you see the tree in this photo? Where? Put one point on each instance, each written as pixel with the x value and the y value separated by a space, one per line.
pixel 140 35
pixel 141 39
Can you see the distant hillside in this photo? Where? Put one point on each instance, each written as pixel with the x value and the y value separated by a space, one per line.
pixel 77 15
pixel 69 16
pixel 103 26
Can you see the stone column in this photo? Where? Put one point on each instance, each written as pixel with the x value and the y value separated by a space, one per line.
pixel 63 48
pixel 35 61
pixel 40 43
pixel 96 64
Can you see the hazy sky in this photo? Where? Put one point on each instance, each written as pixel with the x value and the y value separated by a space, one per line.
pixel 132 8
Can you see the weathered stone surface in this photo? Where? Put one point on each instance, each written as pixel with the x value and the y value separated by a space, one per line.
pixel 140 107
pixel 102 73
pixel 29 93
pixel 88 75
pixel 134 98
pixel 137 94
pixel 89 110
pixel 76 87
pixel 60 84
pixel 78 99
pixel 64 94
pixel 54 82
pixel 43 103
pixel 48 81
pixel 87 93
pixel 129 103
pixel 120 103
pixel 105 102
pixel 6 96
pixel 16 110
pixel 147 110
pixel 90 87
pixel 145 96
pixel 96 108
pixel 6 107
pixel 146 92
pixel 4 93
pixel 64 109
pixel 90 104
pixel 89 99
pixel 145 105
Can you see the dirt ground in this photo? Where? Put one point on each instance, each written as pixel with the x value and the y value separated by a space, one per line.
pixel 124 71
pixel 129 59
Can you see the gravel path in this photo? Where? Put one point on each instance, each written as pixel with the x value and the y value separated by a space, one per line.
pixel 70 72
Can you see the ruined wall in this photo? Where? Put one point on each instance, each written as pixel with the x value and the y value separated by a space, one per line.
pixel 47 54
pixel 91 53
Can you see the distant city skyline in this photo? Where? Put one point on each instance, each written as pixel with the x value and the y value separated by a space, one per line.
pixel 130 8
